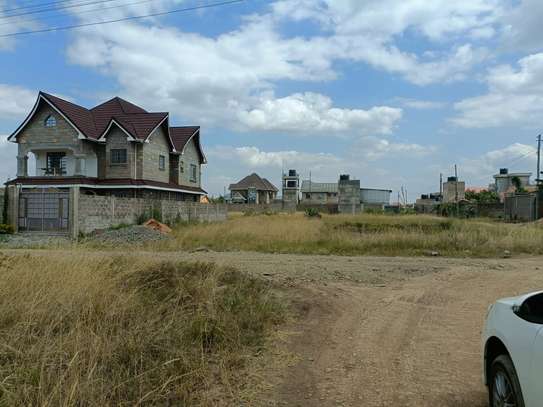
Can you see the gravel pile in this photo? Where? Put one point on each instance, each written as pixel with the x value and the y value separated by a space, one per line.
pixel 131 234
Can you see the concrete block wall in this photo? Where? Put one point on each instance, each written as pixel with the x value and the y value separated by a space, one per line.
pixel 261 208
pixel 349 196
pixel 102 212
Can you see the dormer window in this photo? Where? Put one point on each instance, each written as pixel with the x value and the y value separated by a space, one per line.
pixel 50 121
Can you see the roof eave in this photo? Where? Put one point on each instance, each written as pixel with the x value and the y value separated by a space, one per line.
pixel 42 96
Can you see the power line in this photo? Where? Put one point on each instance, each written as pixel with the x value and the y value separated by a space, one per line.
pixel 71 27
pixel 94 10
pixel 46 10
pixel 517 159
pixel 36 5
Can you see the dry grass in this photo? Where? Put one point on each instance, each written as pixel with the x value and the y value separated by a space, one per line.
pixel 74 331
pixel 360 235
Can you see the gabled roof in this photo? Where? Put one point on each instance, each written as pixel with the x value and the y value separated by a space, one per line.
pixel 253 181
pixel 182 135
pixel 94 123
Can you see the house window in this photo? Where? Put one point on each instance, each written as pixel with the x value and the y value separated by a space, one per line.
pixel 181 167
pixel 56 164
pixel 193 170
pixel 50 121
pixel 118 156
pixel 161 162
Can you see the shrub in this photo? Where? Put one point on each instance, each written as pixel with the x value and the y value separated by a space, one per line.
pixel 6 229
pixel 312 213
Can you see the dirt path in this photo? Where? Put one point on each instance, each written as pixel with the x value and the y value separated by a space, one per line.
pixel 413 343
pixel 380 331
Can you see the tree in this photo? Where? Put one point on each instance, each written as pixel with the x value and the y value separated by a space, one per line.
pixel 482 196
pixel 517 184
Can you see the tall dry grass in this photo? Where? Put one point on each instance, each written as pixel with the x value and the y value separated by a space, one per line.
pixel 363 234
pixel 75 331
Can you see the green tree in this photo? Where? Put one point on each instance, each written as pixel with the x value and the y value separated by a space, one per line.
pixel 517 184
pixel 482 196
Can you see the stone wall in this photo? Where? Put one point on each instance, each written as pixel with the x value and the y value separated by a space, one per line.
pixel 102 212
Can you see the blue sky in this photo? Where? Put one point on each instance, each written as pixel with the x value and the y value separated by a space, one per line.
pixel 392 92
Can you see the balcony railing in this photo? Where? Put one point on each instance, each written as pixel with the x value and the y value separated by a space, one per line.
pixel 53 171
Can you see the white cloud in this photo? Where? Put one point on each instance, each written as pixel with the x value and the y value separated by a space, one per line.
pixel 314 113
pixel 420 104
pixel 367 31
pixel 214 80
pixel 254 158
pixel 522 26
pixel 13 24
pixel 515 157
pixel 515 97
pixel 15 101
pixel 374 148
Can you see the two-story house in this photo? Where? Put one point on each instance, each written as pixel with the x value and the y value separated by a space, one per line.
pixel 115 148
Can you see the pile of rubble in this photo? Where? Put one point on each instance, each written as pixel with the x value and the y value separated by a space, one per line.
pixel 137 234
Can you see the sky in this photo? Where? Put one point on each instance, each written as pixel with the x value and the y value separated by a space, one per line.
pixel 392 92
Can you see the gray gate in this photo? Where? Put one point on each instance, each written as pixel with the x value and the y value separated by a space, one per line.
pixel 44 210
pixel 520 208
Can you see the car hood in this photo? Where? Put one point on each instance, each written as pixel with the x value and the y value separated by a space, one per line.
pixel 518 300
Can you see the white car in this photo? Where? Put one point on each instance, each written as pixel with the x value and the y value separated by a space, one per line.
pixel 513 351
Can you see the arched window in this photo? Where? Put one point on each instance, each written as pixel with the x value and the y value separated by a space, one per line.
pixel 50 121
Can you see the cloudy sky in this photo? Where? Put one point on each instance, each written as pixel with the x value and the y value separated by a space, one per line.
pixel 392 92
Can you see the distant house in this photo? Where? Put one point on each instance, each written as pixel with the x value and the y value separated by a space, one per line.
pixel 326 193
pixel 253 189
pixel 320 193
pixel 504 184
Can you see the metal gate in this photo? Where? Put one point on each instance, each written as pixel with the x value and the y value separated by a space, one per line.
pixel 44 210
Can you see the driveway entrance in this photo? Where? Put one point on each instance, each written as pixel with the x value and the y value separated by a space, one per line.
pixel 44 210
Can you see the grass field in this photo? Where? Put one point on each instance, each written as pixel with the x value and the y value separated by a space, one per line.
pixel 365 234
pixel 77 331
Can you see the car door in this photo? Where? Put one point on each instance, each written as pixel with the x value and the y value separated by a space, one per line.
pixel 529 350
pixel 533 392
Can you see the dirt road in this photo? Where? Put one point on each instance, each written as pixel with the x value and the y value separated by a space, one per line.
pixel 379 331
pixel 404 343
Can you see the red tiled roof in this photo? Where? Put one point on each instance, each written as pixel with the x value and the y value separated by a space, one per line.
pixel 181 135
pixel 79 116
pixel 93 122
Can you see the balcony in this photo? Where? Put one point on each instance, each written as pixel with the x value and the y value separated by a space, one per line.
pixel 43 163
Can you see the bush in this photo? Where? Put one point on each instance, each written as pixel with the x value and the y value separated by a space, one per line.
pixel 6 229
pixel 312 213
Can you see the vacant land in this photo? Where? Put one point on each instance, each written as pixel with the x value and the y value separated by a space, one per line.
pixel 367 331
pixel 278 310
pixel 95 330
pixel 360 235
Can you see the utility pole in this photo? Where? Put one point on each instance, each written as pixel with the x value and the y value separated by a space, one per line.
pixel 456 190
pixel 441 185
pixel 537 180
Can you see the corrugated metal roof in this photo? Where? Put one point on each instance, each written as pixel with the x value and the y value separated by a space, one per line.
pixel 310 186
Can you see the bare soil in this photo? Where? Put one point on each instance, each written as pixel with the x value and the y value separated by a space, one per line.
pixel 372 331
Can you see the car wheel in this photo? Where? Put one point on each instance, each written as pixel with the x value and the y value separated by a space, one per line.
pixel 504 387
